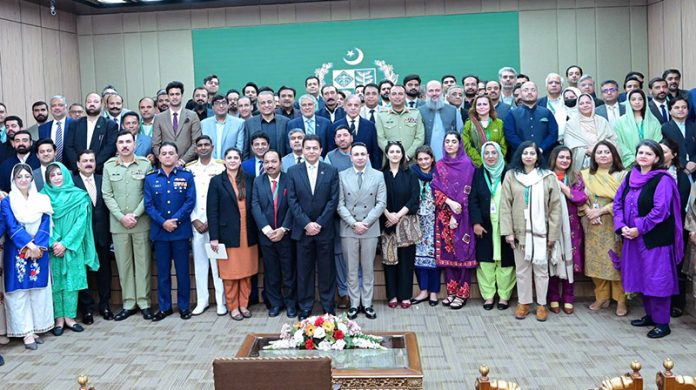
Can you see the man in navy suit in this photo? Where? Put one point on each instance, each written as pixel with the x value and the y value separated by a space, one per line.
pixel 331 110
pixel 682 132
pixel 273 217
pixel 275 126
pixel 58 127
pixel 91 132
pixel 311 123
pixel 23 145
pixel 143 143
pixel 658 104
pixel 259 146
pixel 313 198
pixel 362 129
pixel 286 100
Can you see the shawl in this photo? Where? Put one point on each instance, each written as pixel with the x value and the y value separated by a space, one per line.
pixel 495 172
pixel 423 176
pixel 453 178
pixel 582 134
pixel 28 211
pixel 562 251
pixel 72 221
pixel 628 133
pixel 601 184
pixel 535 215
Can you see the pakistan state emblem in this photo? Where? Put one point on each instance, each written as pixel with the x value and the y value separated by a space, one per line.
pixel 358 73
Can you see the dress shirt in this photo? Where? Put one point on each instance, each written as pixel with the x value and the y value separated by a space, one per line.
pixel 663 109
pixel 91 124
pixel 312 174
pixel 355 121
pixel 178 117
pixel 267 229
pixel 257 166
pixel 310 124
pixel 54 126
pixel 681 126
pixel 613 113
pixel 146 129
pixel 219 128
pixel 90 187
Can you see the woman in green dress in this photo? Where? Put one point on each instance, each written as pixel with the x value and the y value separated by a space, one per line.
pixel 71 245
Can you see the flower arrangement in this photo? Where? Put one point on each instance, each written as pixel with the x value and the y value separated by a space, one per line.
pixel 324 333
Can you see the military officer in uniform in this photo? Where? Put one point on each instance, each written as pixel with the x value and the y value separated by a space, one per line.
pixel 399 123
pixel 170 196
pixel 204 169
pixel 122 189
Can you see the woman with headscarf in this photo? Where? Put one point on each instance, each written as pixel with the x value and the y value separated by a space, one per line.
pixel 427 273
pixel 455 248
pixel 583 131
pixel 71 244
pixel 530 220
pixel 27 216
pixel 635 126
pixel 482 126
pixel 496 271
pixel 647 215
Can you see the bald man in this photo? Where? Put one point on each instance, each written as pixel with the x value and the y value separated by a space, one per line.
pixel 91 132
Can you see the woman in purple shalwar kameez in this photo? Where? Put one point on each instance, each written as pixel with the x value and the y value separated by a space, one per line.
pixel 647 215
pixel 573 189
pixel 455 249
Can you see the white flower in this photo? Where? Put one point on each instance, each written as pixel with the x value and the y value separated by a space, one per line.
pixel 342 327
pixel 339 345
pixel 319 333
pixel 324 346
pixel 298 336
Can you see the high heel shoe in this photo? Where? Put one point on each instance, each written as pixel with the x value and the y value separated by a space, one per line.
pixel 597 305
pixel 621 309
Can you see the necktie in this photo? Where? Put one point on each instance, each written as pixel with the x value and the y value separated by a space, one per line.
pixel 59 142
pixel 261 171
pixel 372 115
pixel 664 112
pixel 91 190
pixel 299 160
pixel 312 177
pixel 175 123
pixel 310 126
pixel 274 187
pixel 411 104
pixel 360 180
pixel 352 126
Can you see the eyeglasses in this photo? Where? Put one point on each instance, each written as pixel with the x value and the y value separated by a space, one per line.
pixel 609 90
pixel 394 143
pixel 220 103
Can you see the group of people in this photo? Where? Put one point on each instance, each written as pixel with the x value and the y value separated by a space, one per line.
pixel 484 177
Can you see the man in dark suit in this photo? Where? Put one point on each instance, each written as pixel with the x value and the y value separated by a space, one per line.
pixel 363 130
pixel 682 132
pixel 88 181
pixel 274 220
pixel 313 198
pixel 91 132
pixel 275 126
pixel 311 123
pixel 611 110
pixel 58 127
pixel 177 125
pixel 259 146
pixel 658 104
pixel 23 146
pixel 286 100
pixel 331 110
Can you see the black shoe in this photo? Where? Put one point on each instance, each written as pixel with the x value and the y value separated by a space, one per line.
pixel 185 314
pixel 433 302
pixel 124 313
pixel 488 306
pixel 147 314
pixel 503 306
pixel 370 313
pixel 160 315
pixel 352 313
pixel 676 312
pixel 415 301
pixel 659 332
pixel 645 321
pixel 304 314
pixel 75 328
pixel 107 314
pixel 88 318
pixel 330 312
pixel 58 331
pixel 292 312
pixel 274 312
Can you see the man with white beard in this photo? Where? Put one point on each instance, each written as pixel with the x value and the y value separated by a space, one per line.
pixel 438 118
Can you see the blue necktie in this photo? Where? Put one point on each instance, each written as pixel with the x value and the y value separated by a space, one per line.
pixel 59 142
pixel 664 112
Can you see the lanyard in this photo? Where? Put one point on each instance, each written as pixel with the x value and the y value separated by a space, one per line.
pixel 492 188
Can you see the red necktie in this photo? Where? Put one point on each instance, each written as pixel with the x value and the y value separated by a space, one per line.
pixel 274 185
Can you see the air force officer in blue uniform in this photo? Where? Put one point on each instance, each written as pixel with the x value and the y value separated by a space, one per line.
pixel 170 196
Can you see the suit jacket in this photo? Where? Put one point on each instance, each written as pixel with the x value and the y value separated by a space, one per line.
pixel 448 115
pixel 656 111
pixel 8 164
pixel 278 138
pixel 38 179
pixel 143 145
pixel 185 139
pixel 602 110
pixel 103 142
pixel 232 134
pixel 223 212
pixel 249 166
pixel 339 113
pixel 322 128
pixel 319 207
pixel 296 113
pixel 687 145
pixel 45 129
pixel 691 97
pixel 262 205
pixel 100 213
pixel 367 134
pixel 361 204
pixel 501 110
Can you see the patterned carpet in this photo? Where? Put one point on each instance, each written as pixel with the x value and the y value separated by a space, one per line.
pixel 566 352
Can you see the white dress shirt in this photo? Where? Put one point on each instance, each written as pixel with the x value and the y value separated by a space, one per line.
pixel 312 171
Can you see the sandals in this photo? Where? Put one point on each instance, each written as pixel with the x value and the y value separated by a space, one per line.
pixel 457 303
pixel 597 305
pixel 236 315
pixel 245 312
pixel 448 301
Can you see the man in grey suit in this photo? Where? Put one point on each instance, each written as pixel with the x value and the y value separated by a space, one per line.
pixel 438 118
pixel 362 199
pixel 177 125
pixel 274 126
pixel 46 152
pixel 611 110
pixel 225 130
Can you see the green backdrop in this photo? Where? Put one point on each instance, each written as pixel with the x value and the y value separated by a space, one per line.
pixel 359 51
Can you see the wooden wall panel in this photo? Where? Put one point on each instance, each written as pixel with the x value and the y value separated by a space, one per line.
pixel 151 64
pixel 613 44
pixel 688 15
pixel 133 62
pixel 32 66
pixel 536 60
pixel 51 58
pixel 109 62
pixel 586 36
pixel 176 58
pixel 656 48
pixel 87 60
pixel 11 60
pixel 672 27
pixel 639 40
pixel 565 27
pixel 70 73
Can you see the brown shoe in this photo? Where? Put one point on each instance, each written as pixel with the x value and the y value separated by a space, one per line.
pixel 541 313
pixel 621 309
pixel 521 311
pixel 555 307
pixel 598 305
pixel 568 308
pixel 343 302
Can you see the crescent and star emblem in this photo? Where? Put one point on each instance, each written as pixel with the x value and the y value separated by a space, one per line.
pixel 351 54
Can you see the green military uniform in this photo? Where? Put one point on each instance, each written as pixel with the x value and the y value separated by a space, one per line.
pixel 122 188
pixel 406 127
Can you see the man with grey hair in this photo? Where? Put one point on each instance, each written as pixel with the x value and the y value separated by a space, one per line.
pixel 438 118
pixel 311 123
pixel 587 85
pixel 507 76
pixel 553 101
pixel 455 96
pixel 267 122
pixel 295 137
pixel 56 128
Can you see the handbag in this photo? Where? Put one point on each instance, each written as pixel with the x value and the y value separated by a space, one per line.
pixel 408 231
pixel 389 255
